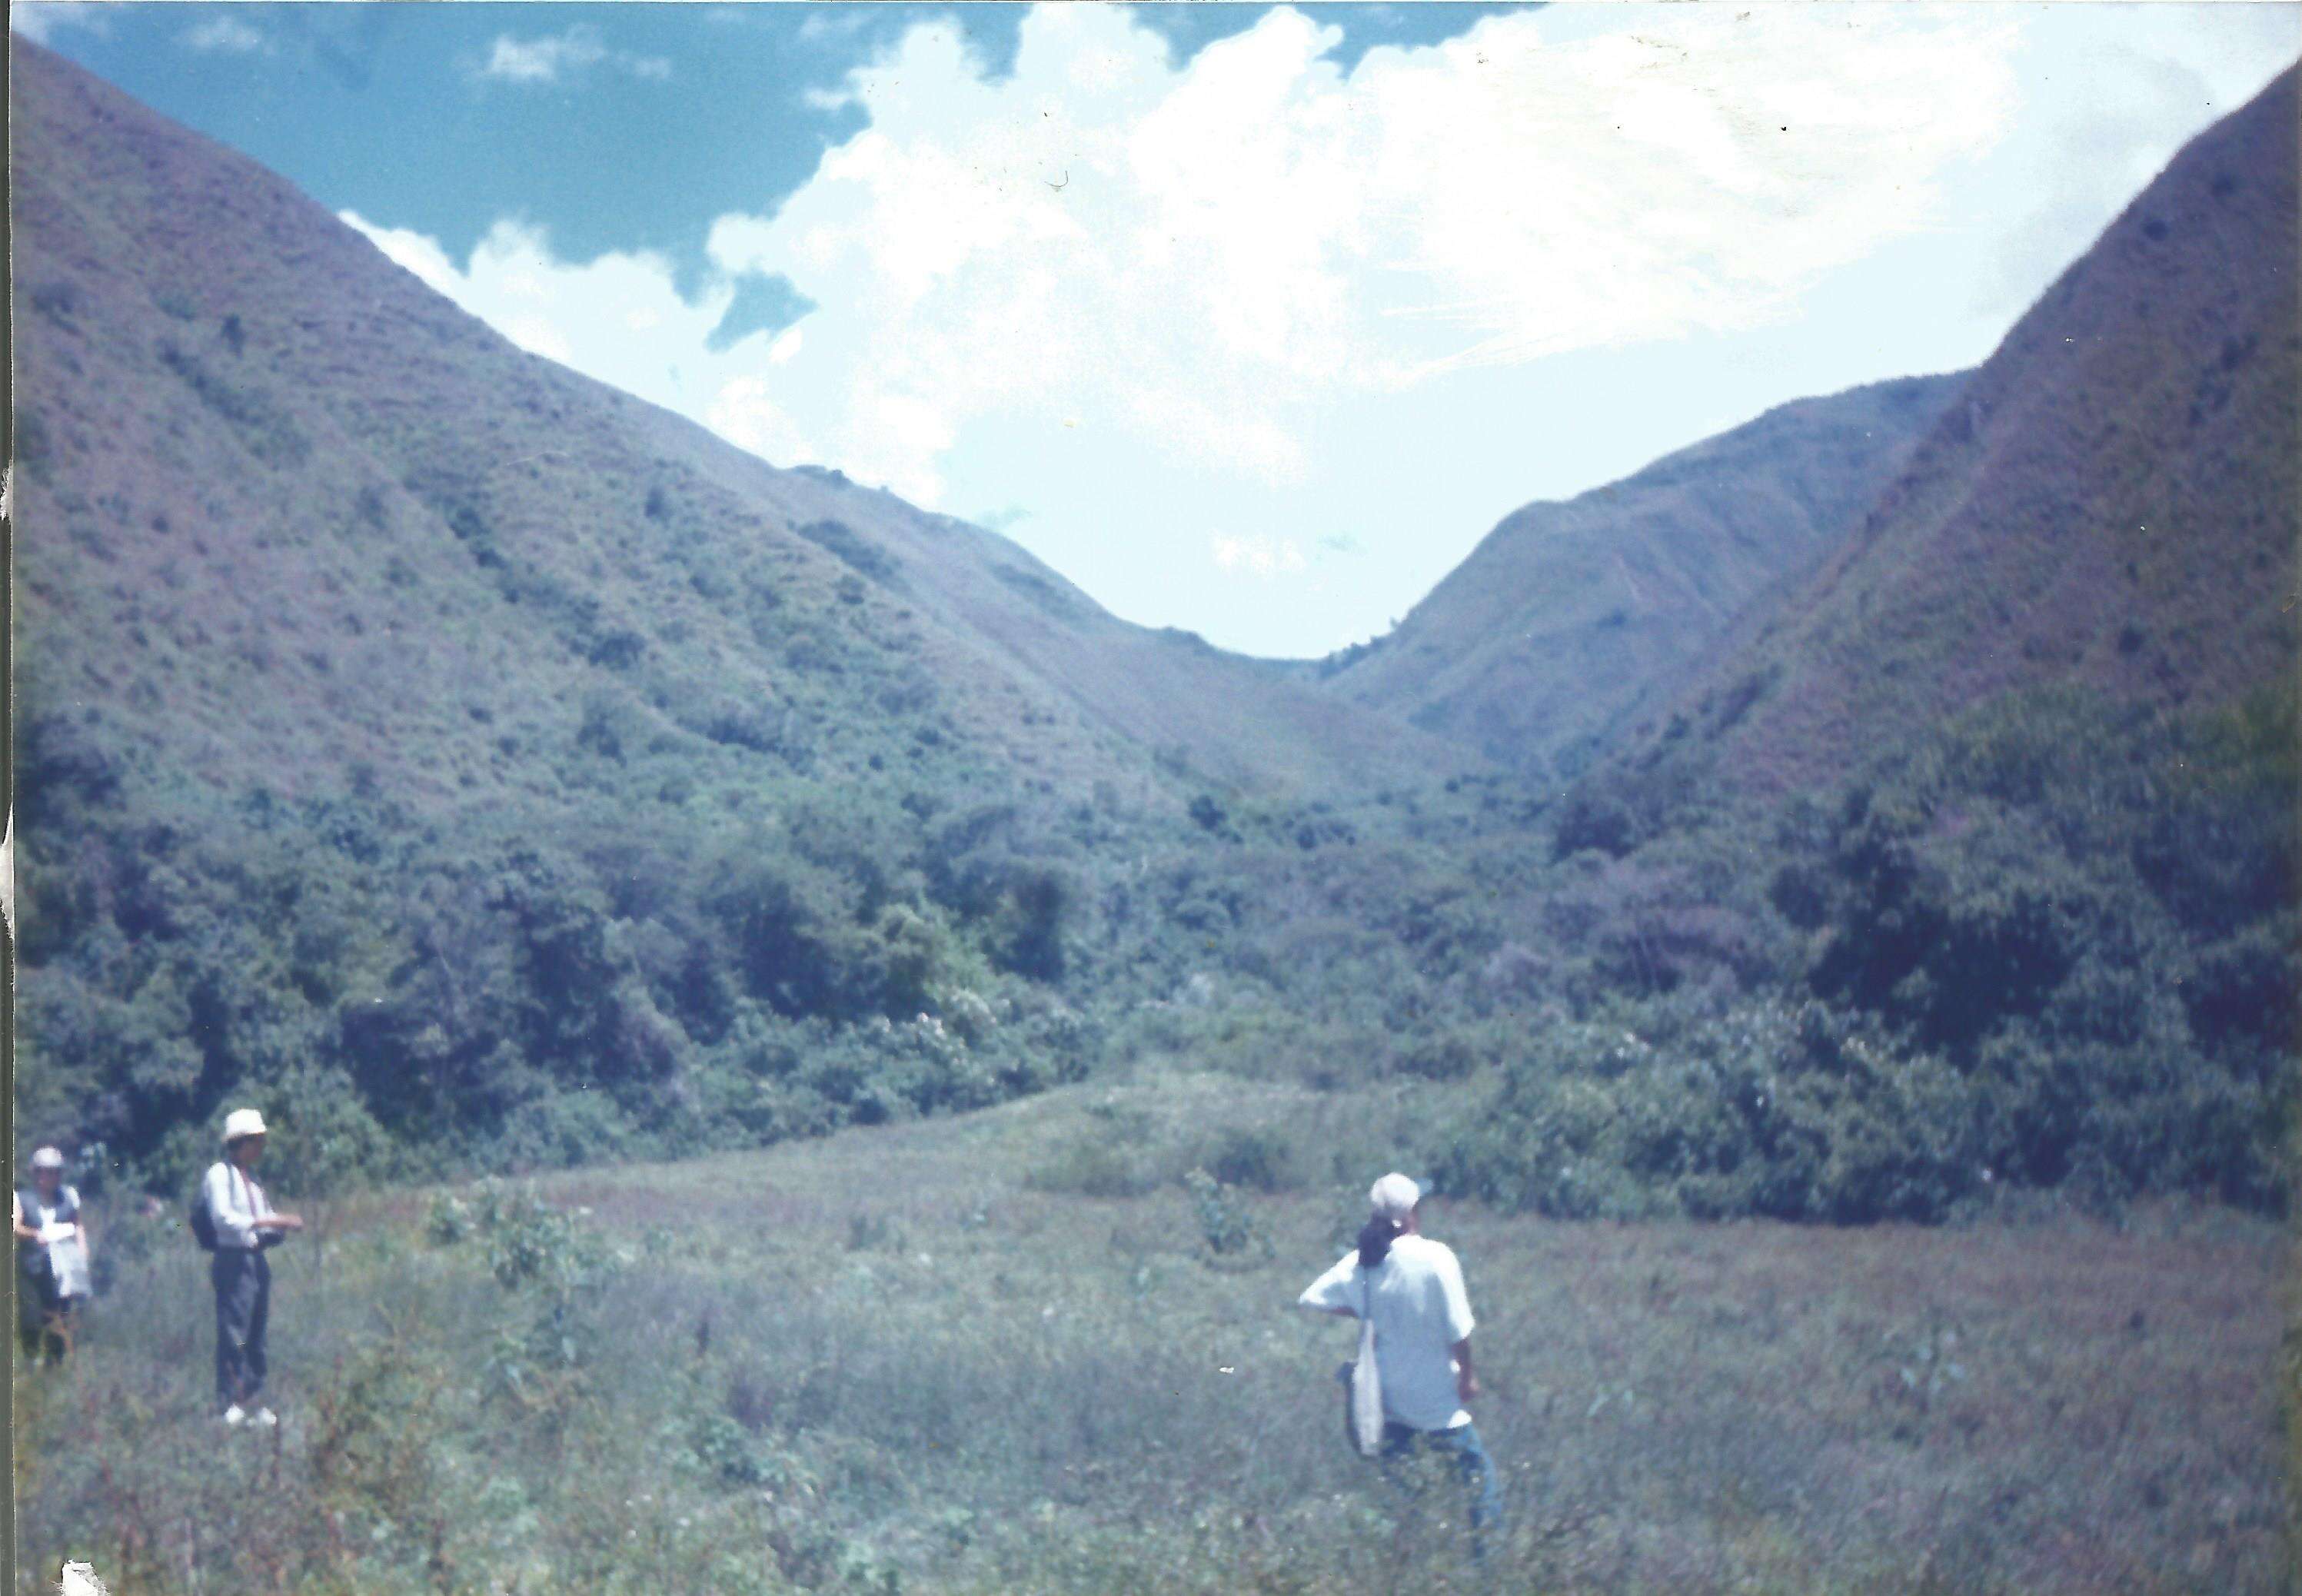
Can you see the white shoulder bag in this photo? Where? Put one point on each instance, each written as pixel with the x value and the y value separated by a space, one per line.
pixel 1365 1407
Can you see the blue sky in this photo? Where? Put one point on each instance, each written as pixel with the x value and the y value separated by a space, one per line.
pixel 1251 320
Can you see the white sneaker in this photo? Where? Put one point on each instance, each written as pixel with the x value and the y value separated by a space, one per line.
pixel 235 1413
pixel 263 1418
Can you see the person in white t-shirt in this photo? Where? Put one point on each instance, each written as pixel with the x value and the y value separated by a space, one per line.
pixel 244 1226
pixel 50 1258
pixel 1411 1287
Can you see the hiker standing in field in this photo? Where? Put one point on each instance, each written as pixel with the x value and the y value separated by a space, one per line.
pixel 1410 1290
pixel 244 1225
pixel 51 1259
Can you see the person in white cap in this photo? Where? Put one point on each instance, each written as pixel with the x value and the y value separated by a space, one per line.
pixel 245 1225
pixel 1411 1289
pixel 51 1259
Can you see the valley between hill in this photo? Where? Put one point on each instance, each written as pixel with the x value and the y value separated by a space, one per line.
pixel 1823 910
pixel 481 770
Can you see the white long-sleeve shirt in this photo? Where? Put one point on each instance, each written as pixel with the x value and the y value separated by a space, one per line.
pixel 235 1203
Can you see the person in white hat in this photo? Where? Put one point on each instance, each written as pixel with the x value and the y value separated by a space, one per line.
pixel 51 1259
pixel 1410 1287
pixel 245 1225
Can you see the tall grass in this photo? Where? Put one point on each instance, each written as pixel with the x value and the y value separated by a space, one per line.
pixel 889 1360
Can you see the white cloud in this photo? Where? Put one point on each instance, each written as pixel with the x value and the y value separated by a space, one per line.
pixel 226 33
pixel 1294 296
pixel 40 20
pixel 1257 555
pixel 1207 254
pixel 538 335
pixel 2083 168
pixel 407 248
pixel 1206 258
pixel 539 60
pixel 554 58
pixel 617 318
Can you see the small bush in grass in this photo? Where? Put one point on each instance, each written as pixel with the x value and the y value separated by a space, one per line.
pixel 734 1456
pixel 530 1242
pixel 448 1220
pixel 1092 1166
pixel 1258 1158
pixel 1226 1226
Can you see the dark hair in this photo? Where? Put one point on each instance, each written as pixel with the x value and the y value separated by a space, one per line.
pixel 1376 1238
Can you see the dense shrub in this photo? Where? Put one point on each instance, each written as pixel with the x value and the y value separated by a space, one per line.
pixel 1796 1112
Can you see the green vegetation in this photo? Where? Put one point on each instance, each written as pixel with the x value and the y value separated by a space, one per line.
pixel 483 772
pixel 2045 949
pixel 2050 946
pixel 497 994
pixel 484 775
pixel 894 1360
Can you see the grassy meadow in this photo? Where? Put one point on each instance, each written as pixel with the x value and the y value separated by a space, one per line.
pixel 1030 1349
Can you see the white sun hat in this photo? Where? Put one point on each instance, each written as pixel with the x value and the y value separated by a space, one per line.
pixel 242 1122
pixel 48 1158
pixel 1394 1195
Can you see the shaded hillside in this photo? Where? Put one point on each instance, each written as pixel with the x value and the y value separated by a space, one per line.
pixel 2111 502
pixel 412 724
pixel 1569 619
pixel 1978 864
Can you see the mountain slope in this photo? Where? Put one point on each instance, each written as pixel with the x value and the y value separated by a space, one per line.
pixel 1568 620
pixel 440 745
pixel 265 445
pixel 2002 800
pixel 1202 713
pixel 2111 502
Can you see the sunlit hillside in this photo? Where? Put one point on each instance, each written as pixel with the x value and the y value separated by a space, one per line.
pixel 1570 622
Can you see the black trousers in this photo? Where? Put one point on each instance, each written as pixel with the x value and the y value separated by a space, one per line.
pixel 243 1296
pixel 43 1318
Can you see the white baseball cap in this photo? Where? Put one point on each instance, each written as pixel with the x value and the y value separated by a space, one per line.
pixel 242 1122
pixel 1394 1195
pixel 48 1158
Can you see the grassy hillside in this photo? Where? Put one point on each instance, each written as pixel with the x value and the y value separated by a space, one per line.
pixel 2003 802
pixel 1569 620
pixel 230 396
pixel 922 1359
pixel 412 728
pixel 2111 501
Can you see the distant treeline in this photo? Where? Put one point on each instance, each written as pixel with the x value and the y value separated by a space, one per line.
pixel 2054 947
pixel 408 995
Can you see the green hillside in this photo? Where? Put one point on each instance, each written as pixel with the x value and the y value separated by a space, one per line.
pixel 401 711
pixel 2003 799
pixel 1570 620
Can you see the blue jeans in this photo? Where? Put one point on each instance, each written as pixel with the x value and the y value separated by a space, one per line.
pixel 1472 1464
